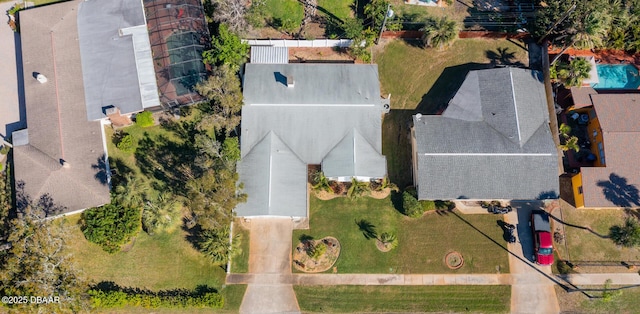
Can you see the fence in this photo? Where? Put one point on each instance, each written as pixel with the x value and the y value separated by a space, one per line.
pixel 299 42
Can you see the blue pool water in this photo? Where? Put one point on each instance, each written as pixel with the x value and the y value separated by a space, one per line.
pixel 617 76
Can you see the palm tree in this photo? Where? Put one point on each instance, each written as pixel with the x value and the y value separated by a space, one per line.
pixel 575 72
pixel 388 240
pixel 160 214
pixel 439 33
pixel 571 144
pixel 564 130
pixel 130 194
pixel 358 188
pixel 321 182
pixel 593 30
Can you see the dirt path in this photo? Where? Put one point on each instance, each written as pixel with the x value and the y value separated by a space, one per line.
pixel 270 257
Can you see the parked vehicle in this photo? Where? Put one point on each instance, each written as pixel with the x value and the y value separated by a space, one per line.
pixel 542 240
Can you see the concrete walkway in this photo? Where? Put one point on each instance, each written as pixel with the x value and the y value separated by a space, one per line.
pixel 599 279
pixel 372 279
pixel 12 116
pixel 270 257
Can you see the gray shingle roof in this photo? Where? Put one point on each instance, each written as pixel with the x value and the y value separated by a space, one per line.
pixel 116 57
pixel 326 102
pixel 492 142
pixel 56 114
pixel 275 180
pixel 353 156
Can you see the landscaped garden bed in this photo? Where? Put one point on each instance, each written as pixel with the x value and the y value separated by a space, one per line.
pixel 314 256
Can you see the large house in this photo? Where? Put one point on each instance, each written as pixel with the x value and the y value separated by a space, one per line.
pixel 608 129
pixel 492 142
pixel 82 62
pixel 295 115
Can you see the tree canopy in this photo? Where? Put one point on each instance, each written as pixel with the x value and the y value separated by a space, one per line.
pixel 227 48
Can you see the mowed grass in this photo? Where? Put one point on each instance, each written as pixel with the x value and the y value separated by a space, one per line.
pixel 626 301
pixel 441 299
pixel 240 262
pixel 284 10
pixel 342 9
pixel 583 245
pixel 422 81
pixel 423 242
pixel 159 262
pixel 414 75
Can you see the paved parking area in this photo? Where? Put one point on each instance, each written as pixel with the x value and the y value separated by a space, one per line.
pixel 533 285
pixel 12 115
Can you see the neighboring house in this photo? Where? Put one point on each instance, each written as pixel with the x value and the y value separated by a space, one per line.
pixel 492 142
pixel 295 115
pixel 83 62
pixel 608 126
pixel 61 154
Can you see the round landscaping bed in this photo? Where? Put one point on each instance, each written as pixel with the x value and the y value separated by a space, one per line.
pixel 314 256
pixel 454 260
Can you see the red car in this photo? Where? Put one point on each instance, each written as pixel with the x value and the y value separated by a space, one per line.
pixel 543 242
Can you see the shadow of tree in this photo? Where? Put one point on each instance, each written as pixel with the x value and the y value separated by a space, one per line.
pixel 619 192
pixel 546 195
pixel 502 56
pixel 110 286
pixel 368 229
pixel 101 167
pixel 435 101
pixel 43 207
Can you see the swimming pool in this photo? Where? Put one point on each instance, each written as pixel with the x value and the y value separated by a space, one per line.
pixel 617 76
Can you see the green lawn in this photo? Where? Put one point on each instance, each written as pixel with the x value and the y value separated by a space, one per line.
pixel 441 299
pixel 583 245
pixel 423 242
pixel 284 10
pixel 342 9
pixel 423 80
pixel 628 301
pixel 164 261
pixel 240 262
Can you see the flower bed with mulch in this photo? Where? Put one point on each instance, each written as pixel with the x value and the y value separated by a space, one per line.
pixel 302 260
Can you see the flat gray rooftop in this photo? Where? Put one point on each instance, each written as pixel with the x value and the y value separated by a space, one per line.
pixel 117 66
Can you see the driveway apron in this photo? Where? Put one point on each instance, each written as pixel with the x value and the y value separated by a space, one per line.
pixel 270 253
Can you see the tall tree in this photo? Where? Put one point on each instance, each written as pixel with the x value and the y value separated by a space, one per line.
pixel 375 11
pixel 227 49
pixel 439 33
pixel 222 89
pixel 232 13
pixel 36 264
pixel 573 73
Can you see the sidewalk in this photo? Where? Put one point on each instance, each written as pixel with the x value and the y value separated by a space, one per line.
pixel 599 279
pixel 372 279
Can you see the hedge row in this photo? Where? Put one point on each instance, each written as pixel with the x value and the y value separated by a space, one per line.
pixel 116 299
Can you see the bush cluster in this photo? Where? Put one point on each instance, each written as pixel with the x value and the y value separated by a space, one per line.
pixel 144 119
pixel 125 143
pixel 410 205
pixel 147 299
pixel 5 149
pixel 110 226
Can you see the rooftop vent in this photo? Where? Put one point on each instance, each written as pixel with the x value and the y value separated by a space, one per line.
pixel 41 78
pixel 418 116
pixel 65 164
pixel 290 81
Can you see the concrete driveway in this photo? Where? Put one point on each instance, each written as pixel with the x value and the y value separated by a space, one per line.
pixel 532 290
pixel 12 114
pixel 270 255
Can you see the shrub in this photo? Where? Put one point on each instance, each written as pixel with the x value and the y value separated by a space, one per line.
pixel 5 149
pixel 124 142
pixel 427 205
pixel 149 299
pixel 215 244
pixel 564 267
pixel 317 250
pixel 145 119
pixel 389 240
pixel 410 205
pixel 627 235
pixel 110 226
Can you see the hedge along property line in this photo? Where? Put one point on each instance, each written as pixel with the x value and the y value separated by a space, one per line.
pixel 120 297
